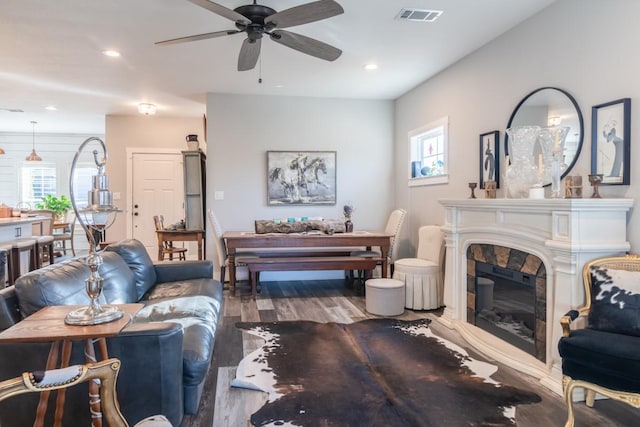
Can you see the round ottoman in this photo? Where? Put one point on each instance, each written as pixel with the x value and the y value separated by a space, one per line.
pixel 384 297
pixel 422 280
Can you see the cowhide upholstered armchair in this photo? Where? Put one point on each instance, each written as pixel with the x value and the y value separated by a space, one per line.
pixel 604 356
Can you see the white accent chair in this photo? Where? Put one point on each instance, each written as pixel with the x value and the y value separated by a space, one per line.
pixel 423 276
pixel 394 225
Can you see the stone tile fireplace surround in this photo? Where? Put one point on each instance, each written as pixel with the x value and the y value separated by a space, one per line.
pixel 563 233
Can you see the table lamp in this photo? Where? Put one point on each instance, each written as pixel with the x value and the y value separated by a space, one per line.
pixel 97 216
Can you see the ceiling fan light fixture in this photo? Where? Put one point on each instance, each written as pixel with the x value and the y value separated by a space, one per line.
pixel 33 157
pixel 256 20
pixel 147 109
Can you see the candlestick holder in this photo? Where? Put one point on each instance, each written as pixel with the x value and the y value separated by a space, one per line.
pixel 472 186
pixel 595 180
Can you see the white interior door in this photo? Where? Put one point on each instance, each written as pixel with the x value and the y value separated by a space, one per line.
pixel 157 189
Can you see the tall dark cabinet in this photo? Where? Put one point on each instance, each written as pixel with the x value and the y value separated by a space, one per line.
pixel 194 163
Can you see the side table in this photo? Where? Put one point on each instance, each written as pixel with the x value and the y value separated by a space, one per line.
pixel 47 325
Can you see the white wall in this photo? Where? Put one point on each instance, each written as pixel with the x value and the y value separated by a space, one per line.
pixel 242 128
pixel 586 47
pixel 141 132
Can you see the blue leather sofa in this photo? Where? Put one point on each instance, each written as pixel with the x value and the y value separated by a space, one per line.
pixel 165 351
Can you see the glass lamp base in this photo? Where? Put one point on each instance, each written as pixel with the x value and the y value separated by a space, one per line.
pixel 86 316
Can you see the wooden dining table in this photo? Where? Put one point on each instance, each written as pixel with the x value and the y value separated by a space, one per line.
pixel 181 236
pixel 317 242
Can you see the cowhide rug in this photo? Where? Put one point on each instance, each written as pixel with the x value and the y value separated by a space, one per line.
pixel 377 372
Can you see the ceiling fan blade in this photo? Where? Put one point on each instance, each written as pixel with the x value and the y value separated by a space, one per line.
pixel 305 13
pixel 198 37
pixel 225 12
pixel 306 45
pixel 249 54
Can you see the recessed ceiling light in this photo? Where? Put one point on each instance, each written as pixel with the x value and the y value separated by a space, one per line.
pixel 371 66
pixel 111 53
pixel 279 86
pixel 50 108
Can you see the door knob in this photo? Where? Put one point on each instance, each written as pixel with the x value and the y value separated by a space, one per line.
pixel 135 206
pixel 135 214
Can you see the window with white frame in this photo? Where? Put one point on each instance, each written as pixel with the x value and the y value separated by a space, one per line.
pixel 38 180
pixel 428 163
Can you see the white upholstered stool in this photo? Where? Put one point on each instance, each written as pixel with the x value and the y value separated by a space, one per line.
pixel 384 297
pixel 422 282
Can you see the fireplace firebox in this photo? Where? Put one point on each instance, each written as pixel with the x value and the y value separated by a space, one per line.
pixel 507 296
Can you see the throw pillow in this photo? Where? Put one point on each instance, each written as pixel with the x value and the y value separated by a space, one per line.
pixel 615 301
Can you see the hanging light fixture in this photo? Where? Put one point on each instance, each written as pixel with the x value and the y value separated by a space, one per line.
pixel 146 109
pixel 33 157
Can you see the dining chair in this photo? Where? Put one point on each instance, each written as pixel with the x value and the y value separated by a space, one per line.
pixel 66 234
pixel 393 227
pixel 242 272
pixel 106 372
pixel 165 246
pixel 423 275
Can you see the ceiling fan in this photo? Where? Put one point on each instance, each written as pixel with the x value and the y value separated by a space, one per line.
pixel 257 20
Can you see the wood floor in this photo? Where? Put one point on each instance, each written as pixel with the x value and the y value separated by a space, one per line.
pixel 331 301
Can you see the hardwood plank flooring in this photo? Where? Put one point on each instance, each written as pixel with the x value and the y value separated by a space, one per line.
pixel 332 301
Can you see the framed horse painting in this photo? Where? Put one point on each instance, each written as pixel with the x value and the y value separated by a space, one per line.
pixel 301 178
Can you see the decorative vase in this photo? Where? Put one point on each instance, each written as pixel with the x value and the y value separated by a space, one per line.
pixel 192 142
pixel 552 143
pixel 348 226
pixel 521 174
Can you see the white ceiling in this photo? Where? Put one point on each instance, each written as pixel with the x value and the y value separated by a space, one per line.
pixel 50 54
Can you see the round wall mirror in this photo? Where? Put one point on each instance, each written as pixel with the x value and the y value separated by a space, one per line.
pixel 550 106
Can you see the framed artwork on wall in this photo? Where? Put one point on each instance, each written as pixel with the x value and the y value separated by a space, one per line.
pixel 489 156
pixel 301 178
pixel 611 141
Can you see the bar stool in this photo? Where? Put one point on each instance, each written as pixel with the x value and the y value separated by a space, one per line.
pixel 17 248
pixel 44 243
pixel 5 250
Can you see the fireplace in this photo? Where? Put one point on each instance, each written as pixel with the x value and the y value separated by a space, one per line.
pixel 504 255
pixel 507 296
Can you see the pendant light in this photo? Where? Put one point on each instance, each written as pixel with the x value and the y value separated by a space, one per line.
pixel 33 157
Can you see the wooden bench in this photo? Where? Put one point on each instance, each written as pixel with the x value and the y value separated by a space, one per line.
pixel 257 265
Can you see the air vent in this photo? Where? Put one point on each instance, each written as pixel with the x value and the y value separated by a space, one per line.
pixel 12 110
pixel 421 15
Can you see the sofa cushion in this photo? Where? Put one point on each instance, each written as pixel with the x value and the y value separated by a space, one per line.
pixel 615 301
pixel 64 284
pixel 198 315
pixel 135 255
pixel 608 359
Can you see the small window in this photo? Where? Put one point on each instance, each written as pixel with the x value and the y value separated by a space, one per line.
pixel 428 163
pixel 37 182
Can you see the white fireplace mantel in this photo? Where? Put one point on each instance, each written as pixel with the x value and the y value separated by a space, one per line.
pixel 563 233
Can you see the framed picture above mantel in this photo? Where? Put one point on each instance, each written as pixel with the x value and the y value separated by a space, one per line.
pixel 301 178
pixel 489 155
pixel 611 141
